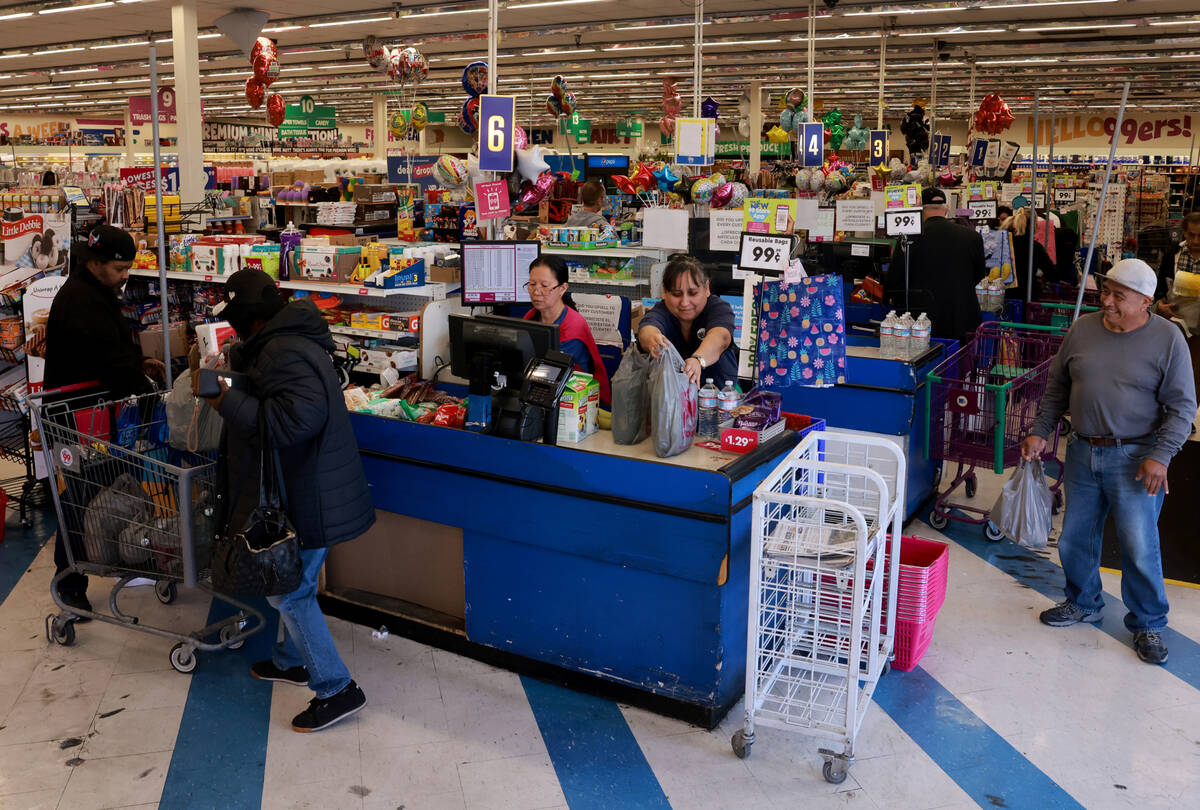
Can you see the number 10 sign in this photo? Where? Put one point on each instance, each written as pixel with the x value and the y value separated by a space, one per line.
pixel 496 119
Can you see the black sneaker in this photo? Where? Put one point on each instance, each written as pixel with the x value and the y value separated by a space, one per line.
pixel 78 601
pixel 1065 614
pixel 267 671
pixel 1150 647
pixel 324 713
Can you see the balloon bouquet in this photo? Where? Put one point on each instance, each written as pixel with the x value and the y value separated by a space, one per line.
pixel 264 60
pixel 407 67
pixel 915 129
pixel 857 136
pixel 475 82
pixel 672 106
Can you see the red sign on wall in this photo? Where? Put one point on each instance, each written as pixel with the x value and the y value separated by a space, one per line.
pixel 139 107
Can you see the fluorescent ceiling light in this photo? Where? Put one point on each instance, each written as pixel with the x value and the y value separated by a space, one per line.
pixel 740 42
pixel 1079 27
pixel 279 28
pixel 1172 22
pixel 563 50
pixel 639 47
pixel 545 3
pixel 888 12
pixel 77 70
pixel 656 27
pixel 473 58
pixel 1027 61
pixel 16 15
pixel 953 32
pixel 293 69
pixel 356 21
pixel 55 51
pixel 1053 3
pixel 114 45
pixel 61 9
pixel 207 36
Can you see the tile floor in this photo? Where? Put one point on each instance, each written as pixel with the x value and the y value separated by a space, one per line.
pixel 96 725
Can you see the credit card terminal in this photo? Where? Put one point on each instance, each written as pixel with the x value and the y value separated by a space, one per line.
pixel 545 378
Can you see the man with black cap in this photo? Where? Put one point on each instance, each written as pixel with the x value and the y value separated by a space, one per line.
pixel 88 339
pixel 289 377
pixel 944 264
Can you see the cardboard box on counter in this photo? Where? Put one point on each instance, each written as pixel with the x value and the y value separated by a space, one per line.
pixel 152 341
pixel 579 408
pixel 374 193
pixel 443 275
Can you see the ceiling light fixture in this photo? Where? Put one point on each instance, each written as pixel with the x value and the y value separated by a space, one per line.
pixel 276 29
pixel 564 50
pixel 357 21
pixel 888 12
pixel 16 15
pixel 953 32
pixel 1053 3
pixel 114 45
pixel 640 47
pixel 1079 27
pixel 740 42
pixel 61 9
pixel 656 27
pixel 54 51
pixel 546 3
pixel 1164 22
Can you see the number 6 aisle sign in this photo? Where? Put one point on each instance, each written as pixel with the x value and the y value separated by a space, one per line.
pixel 812 143
pixel 496 117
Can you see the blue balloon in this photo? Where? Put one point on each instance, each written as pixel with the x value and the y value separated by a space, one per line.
pixel 786 120
pixel 665 178
pixel 475 78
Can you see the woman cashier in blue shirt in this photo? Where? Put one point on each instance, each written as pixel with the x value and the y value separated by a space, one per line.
pixel 696 322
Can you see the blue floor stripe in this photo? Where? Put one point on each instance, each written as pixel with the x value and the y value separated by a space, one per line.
pixel 597 759
pixel 980 761
pixel 221 750
pixel 1046 577
pixel 20 547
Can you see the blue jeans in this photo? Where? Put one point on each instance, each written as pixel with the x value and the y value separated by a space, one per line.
pixel 1100 480
pixel 306 639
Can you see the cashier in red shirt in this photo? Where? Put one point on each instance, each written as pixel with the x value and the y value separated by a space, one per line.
pixel 552 304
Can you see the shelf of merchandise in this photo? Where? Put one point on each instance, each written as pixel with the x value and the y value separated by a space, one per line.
pixel 227 219
pixel 624 252
pixel 435 291
pixel 376 334
pixel 620 282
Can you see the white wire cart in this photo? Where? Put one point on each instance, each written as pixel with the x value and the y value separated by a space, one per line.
pixel 821 618
pixel 130 505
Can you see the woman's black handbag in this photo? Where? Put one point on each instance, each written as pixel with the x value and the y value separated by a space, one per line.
pixel 263 558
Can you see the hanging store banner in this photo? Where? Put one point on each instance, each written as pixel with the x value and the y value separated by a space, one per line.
pixel 1166 130
pixel 879 147
pixel 143 178
pixel 497 117
pixel 742 149
pixel 140 108
pixel 414 170
pixel 300 120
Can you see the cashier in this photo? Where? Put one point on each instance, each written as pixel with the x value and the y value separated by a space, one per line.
pixel 553 304
pixel 696 322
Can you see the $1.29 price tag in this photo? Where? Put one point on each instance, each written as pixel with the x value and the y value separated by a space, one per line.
pixel 903 222
pixel 765 252
pixel 735 440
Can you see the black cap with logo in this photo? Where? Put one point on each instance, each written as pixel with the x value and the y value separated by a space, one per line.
pixel 933 196
pixel 106 244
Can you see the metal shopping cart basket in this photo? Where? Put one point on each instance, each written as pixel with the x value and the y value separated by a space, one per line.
pixel 982 402
pixel 822 590
pixel 130 506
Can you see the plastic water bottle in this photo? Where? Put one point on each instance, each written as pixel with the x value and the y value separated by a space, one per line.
pixel 922 330
pixel 887 333
pixel 995 297
pixel 903 336
pixel 981 294
pixel 708 425
pixel 730 399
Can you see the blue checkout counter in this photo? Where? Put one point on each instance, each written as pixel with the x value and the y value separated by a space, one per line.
pixel 884 398
pixel 592 558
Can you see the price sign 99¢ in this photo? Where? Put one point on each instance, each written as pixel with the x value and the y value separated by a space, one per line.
pixel 765 252
pixel 903 221
pixel 497 115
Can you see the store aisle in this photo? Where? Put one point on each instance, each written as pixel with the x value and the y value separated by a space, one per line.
pixel 1001 712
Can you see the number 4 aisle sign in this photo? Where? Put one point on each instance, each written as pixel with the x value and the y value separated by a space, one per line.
pixel 496 119
pixel 812 143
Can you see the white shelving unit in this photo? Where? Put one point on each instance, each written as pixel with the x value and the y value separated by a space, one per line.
pixel 434 292
pixel 377 334
pixel 655 254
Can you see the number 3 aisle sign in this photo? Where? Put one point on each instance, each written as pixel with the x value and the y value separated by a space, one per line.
pixel 496 117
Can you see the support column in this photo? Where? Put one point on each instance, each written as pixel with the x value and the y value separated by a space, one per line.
pixel 755 126
pixel 186 55
pixel 129 150
pixel 381 131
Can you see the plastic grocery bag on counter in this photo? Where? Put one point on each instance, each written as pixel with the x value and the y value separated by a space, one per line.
pixel 631 397
pixel 1024 507
pixel 673 404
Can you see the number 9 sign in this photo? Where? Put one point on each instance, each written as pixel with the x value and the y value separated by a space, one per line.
pixel 496 120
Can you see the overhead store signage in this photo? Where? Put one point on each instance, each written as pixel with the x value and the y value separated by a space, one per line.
pixel 812 143
pixel 979 148
pixel 902 222
pixel 144 179
pixel 768 215
pixel 879 147
pixel 214 131
pixel 497 117
pixel 940 152
pixel 1097 130
pixel 630 129
pixel 140 112
pixel 695 141
pixel 300 119
pixel 742 149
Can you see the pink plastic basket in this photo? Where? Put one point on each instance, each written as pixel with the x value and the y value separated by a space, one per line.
pixel 912 640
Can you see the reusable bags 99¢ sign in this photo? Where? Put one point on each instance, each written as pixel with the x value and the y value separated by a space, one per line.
pixel 812 143
pixel 765 252
pixel 496 117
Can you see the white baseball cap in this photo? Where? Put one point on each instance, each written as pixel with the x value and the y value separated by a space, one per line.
pixel 1134 274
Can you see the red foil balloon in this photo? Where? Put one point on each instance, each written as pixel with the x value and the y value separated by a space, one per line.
pixel 275 109
pixel 666 125
pixel 255 90
pixel 624 184
pixel 266 69
pixel 643 178
pixel 722 195
pixel 993 115
pixel 263 46
pixel 520 139
pixel 534 193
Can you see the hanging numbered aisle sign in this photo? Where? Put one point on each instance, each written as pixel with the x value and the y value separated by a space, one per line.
pixel 879 147
pixel 695 141
pixel 979 152
pixel 812 143
pixel 942 145
pixel 497 115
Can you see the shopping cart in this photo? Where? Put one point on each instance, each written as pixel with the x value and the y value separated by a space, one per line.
pixel 131 506
pixel 1052 313
pixel 822 592
pixel 982 403
pixel 1063 293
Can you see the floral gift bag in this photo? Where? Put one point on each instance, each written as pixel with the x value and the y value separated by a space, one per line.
pixel 801 333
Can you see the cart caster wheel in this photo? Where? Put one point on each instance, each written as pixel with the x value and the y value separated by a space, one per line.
pixel 26 524
pixel 938 521
pixel 61 631
pixel 740 747
pixel 228 632
pixel 166 591
pixel 1058 503
pixel 184 658
pixel 834 774
pixel 887 667
pixel 992 532
pixel 971 485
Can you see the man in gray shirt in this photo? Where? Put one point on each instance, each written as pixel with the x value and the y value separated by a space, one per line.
pixel 587 214
pixel 1125 375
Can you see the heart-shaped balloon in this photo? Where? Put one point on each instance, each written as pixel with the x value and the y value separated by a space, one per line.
pixel 672 105
pixel 520 139
pixel 554 106
pixel 558 87
pixel 255 90
pixel 531 164
pixel 786 120
pixel 275 109
pixel 666 125
pixel 475 78
pixel 722 195
pixel 263 46
pixel 534 192
pixel 266 69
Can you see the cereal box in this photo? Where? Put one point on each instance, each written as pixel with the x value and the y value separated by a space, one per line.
pixel 579 408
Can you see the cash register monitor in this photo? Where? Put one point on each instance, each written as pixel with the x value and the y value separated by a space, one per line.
pixel 484 345
pixel 497 272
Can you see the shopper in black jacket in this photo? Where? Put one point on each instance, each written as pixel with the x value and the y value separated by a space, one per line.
pixel 945 263
pixel 88 339
pixel 289 376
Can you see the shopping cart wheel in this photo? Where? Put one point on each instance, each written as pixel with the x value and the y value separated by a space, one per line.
pixel 184 658
pixel 834 771
pixel 937 520
pixel 992 532
pixel 61 631
pixel 228 632
pixel 970 485
pixel 739 744
pixel 166 591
